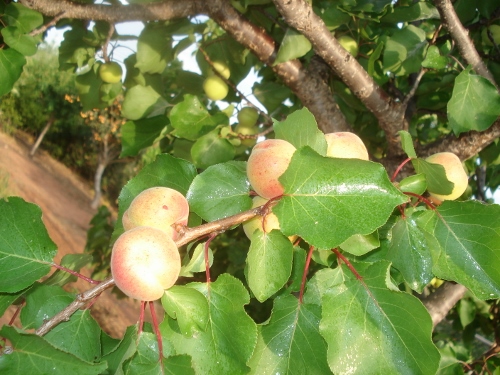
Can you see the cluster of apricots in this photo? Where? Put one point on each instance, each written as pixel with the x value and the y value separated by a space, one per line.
pixel 145 260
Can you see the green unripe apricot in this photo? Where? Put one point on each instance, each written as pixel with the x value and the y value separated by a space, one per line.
pixel 349 44
pixel 215 88
pixel 110 72
pixel 248 116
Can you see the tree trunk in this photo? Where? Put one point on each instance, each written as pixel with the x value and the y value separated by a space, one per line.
pixel 39 140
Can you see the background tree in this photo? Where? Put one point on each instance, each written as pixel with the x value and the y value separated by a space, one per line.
pixel 413 79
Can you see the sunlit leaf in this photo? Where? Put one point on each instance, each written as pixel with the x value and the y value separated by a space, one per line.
pixel 139 134
pixel 293 46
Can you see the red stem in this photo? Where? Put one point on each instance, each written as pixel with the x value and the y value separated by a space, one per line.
pixel 18 310
pixel 420 198
pixel 304 275
pixel 74 273
pixel 348 264
pixel 157 332
pixel 398 169
pixel 141 317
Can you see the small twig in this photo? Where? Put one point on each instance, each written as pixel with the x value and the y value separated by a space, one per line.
pixel 414 88
pixel 398 169
pixel 77 274
pixel 111 31
pixel 51 23
pixel 18 310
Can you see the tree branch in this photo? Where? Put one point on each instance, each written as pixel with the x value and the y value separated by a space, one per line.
pixel 461 38
pixel 439 303
pixel 300 15
pixel 310 89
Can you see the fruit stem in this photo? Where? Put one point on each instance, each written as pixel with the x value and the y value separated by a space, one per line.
pixel 111 31
pixel 18 310
pixel 398 169
pixel 157 332
pixel 422 199
pixel 348 264
pixel 304 275
pixel 141 318
pixel 74 273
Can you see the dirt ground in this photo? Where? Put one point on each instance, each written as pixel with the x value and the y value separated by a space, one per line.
pixel 65 202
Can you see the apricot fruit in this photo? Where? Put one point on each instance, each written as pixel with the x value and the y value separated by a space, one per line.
pixel 345 145
pixel 248 116
pixel 221 68
pixel 267 224
pixel 267 162
pixel 455 172
pixel 349 44
pixel 215 88
pixel 160 208
pixel 247 130
pixel 111 72
pixel 144 262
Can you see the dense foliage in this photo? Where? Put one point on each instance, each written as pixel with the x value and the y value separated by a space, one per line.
pixel 373 266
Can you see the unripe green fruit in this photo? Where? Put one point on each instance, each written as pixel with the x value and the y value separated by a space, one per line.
pixel 111 72
pixel 495 32
pixel 349 44
pixel 247 130
pixel 345 145
pixel 144 262
pixel 267 162
pixel 157 207
pixel 454 172
pixel 215 88
pixel 220 68
pixel 267 224
pixel 248 116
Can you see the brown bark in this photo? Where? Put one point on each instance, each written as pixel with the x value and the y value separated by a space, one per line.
pixel 46 128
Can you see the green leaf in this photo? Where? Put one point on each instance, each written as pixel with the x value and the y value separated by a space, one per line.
pixel 300 129
pixel 293 46
pixel 416 184
pixel 407 143
pixel 74 50
pixel 291 343
pixel 191 119
pixel 11 67
pixel 474 104
pixel 271 94
pixel 136 135
pixel 146 360
pixel 269 263
pixel 410 254
pixel 226 185
pixel 211 149
pixel 370 329
pixel 71 261
pixel 435 175
pixel 14 38
pixel 154 49
pixel 469 235
pixel 325 198
pixel 26 250
pixel 42 303
pixel 7 299
pixel 139 102
pixel 359 244
pixel 125 350
pixel 414 12
pixel 434 60
pixel 224 350
pixel 33 355
pixel 188 306
pixel 404 51
pixel 79 336
pixel 197 261
pixel 88 86
pixel 23 18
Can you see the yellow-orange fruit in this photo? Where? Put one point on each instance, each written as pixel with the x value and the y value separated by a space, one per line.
pixel 267 224
pixel 345 145
pixel 267 162
pixel 144 262
pixel 455 172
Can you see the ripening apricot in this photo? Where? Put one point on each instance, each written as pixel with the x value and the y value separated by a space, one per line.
pixel 267 162
pixel 158 207
pixel 215 88
pixel 266 224
pixel 455 172
pixel 345 145
pixel 144 262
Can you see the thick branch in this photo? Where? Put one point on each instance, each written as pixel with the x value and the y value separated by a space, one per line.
pixel 461 38
pixel 465 146
pixel 300 15
pixel 313 92
pixel 442 300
